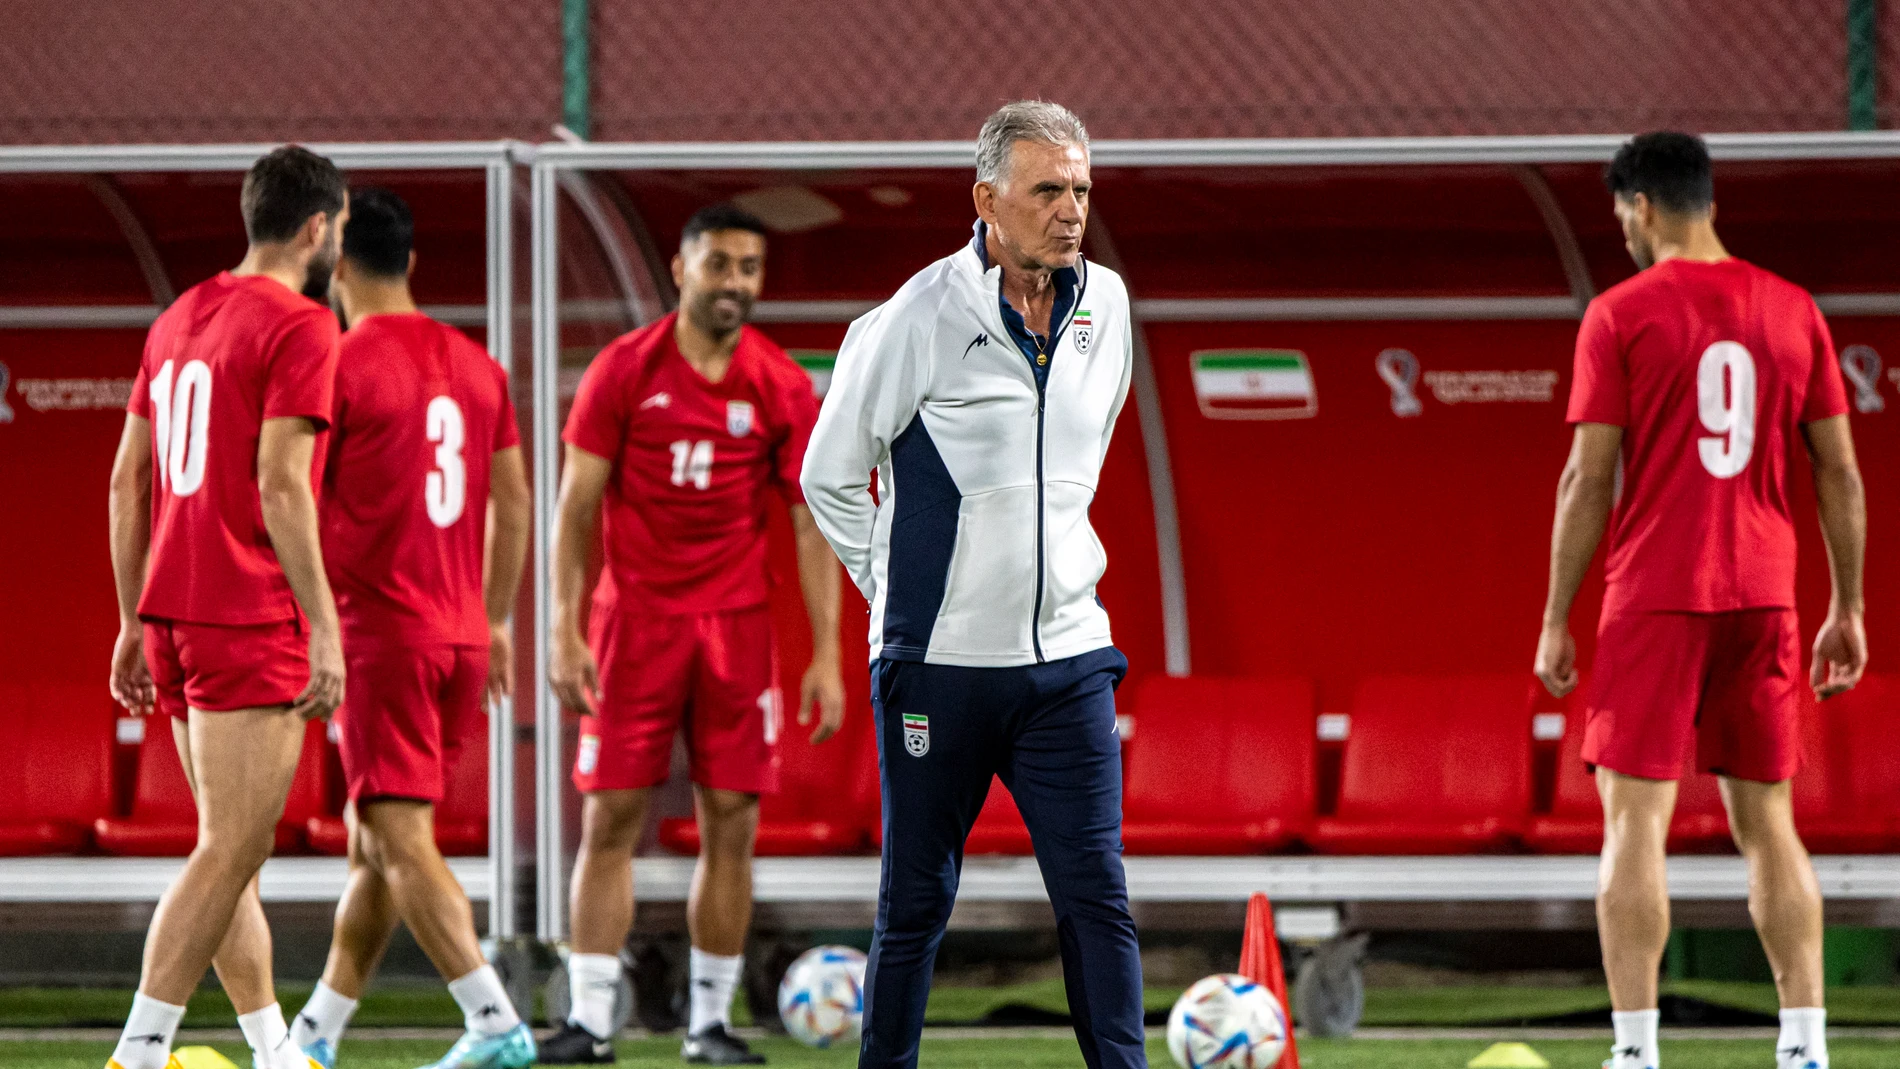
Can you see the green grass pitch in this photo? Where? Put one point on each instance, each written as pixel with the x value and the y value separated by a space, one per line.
pixel 1021 1052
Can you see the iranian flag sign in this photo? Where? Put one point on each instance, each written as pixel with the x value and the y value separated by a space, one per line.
pixel 1254 384
pixel 817 363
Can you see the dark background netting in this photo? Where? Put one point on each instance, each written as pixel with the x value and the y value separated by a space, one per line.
pixel 139 70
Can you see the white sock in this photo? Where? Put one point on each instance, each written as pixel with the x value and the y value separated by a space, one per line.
pixel 146 1042
pixel 592 980
pixel 1635 1046
pixel 269 1039
pixel 485 1005
pixel 1803 1039
pixel 324 1017
pixel 713 980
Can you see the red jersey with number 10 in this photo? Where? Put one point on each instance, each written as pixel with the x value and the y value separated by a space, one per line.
pixel 683 521
pixel 229 354
pixel 420 413
pixel 1710 368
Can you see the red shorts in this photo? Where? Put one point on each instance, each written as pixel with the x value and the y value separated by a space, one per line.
pixel 221 667
pixel 405 711
pixel 715 671
pixel 1723 686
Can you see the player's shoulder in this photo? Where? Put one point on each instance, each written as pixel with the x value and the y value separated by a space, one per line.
pixel 632 350
pixel 770 361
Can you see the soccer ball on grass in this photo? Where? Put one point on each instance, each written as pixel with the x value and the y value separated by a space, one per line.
pixel 1227 1022
pixel 821 999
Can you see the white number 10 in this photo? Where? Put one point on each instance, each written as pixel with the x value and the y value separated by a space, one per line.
pixel 1725 399
pixel 445 490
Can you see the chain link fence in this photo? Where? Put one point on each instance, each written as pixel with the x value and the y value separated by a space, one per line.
pixel 133 70
pixel 127 71
pixel 870 69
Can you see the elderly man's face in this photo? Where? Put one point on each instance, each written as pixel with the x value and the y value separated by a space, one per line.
pixel 1039 209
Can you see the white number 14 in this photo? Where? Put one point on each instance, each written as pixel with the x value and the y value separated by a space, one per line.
pixel 692 462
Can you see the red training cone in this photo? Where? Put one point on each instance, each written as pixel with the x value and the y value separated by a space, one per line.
pixel 1260 962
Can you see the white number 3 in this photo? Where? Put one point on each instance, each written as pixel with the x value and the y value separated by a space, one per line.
pixel 445 490
pixel 1725 399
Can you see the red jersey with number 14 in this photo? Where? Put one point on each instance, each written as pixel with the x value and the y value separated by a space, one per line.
pixel 420 413
pixel 1710 368
pixel 229 354
pixel 683 522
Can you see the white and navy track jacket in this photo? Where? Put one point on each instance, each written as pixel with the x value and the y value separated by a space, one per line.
pixel 977 550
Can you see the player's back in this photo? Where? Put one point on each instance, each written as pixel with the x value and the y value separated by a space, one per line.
pixel 229 354
pixel 420 412
pixel 1710 368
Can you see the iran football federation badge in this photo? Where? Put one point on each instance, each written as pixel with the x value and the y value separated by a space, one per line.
pixel 1083 329
pixel 916 734
pixel 738 418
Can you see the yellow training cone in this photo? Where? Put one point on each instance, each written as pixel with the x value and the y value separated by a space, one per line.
pixel 1501 1056
pixel 201 1058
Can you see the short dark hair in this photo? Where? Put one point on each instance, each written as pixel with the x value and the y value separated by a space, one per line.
pixel 721 217
pixel 380 233
pixel 1672 169
pixel 285 188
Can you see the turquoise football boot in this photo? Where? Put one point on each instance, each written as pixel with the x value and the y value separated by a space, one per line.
pixel 322 1053
pixel 510 1050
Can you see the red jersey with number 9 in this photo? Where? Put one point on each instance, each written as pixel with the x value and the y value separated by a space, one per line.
pixel 420 413
pixel 1710 369
pixel 229 354
pixel 683 520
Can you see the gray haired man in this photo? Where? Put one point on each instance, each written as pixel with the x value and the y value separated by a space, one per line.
pixel 983 394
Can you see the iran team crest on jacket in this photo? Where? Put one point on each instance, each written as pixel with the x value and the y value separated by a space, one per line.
pixel 916 734
pixel 738 418
pixel 1082 328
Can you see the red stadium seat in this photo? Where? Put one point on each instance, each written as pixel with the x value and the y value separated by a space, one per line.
pixel 1574 824
pixel 1847 796
pixel 1247 742
pixel 1433 765
pixel 818 807
pixel 461 820
pixel 59 747
pixel 164 820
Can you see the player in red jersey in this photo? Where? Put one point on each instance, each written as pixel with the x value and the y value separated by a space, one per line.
pixel 1699 382
pixel 424 482
pixel 682 429
pixel 226 620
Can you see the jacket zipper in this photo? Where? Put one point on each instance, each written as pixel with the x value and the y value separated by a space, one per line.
pixel 1035 618
pixel 1042 402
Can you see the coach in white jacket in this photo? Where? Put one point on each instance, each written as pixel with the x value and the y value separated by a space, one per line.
pixel 983 394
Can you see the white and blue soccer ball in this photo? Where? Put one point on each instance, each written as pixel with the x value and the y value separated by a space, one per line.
pixel 821 999
pixel 1227 1022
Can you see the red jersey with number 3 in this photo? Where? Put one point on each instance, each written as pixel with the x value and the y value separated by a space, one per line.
pixel 684 516
pixel 420 413
pixel 1710 369
pixel 229 354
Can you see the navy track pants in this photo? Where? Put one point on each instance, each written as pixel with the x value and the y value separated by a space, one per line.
pixel 1048 731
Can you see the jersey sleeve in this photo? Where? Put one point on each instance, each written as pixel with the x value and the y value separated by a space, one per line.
pixel 140 403
pixel 1599 390
pixel 507 431
pixel 598 421
pixel 798 408
pixel 300 370
pixel 1827 394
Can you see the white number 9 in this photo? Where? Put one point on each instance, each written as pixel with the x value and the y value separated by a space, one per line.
pixel 445 490
pixel 1725 399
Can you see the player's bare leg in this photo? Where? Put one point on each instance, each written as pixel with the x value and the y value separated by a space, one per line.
pixel 600 903
pixel 241 766
pixel 718 915
pixel 1785 902
pixel 1633 906
pixel 365 920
